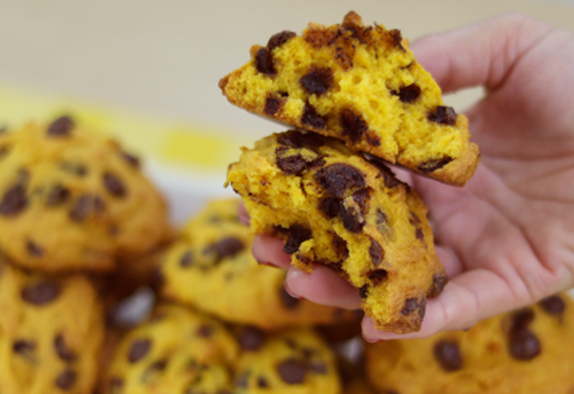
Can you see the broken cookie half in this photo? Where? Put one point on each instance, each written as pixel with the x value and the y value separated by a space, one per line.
pixel 362 85
pixel 334 207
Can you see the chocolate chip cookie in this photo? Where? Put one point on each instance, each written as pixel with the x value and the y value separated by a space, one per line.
pixel 51 333
pixel 176 351
pixel 527 351
pixel 211 268
pixel 360 84
pixel 334 207
pixel 74 200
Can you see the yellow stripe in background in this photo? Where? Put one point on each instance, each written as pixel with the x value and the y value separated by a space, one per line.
pixel 189 146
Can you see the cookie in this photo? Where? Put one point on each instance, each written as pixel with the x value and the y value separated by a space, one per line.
pixel 176 351
pixel 211 268
pixel 360 84
pixel 292 361
pixel 337 208
pixel 73 200
pixel 527 351
pixel 51 333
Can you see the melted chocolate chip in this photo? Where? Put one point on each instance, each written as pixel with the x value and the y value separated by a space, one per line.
pixel 292 165
pixel 340 247
pixel 61 127
pixel 411 305
pixel 439 281
pixel 553 305
pixel 41 293
pixel 433 165
pixel 264 62
pixel 353 125
pixel 364 291
pixel 353 219
pixel 85 206
pixel 297 235
pixel 296 139
pixel 58 195
pixel 292 371
pixel 205 331
pixel 523 345
pixel 409 93
pixel 272 105
pixel 186 260
pixel 443 115
pixel 419 234
pixel 319 367
pixel 67 379
pixel 312 118
pixel 377 276
pixel 63 350
pixel 362 197
pixel 226 248
pixel 262 382
pixel 376 252
pixel 114 185
pixel 338 178
pixel 14 201
pixel 279 39
pixel 396 38
pixel 330 206
pixel 381 219
pixel 286 300
pixel 389 177
pixel 25 349
pixel 74 168
pixel 138 350
pixel 317 80
pixel 132 160
pixel 447 353
pixel 34 249
pixel 251 339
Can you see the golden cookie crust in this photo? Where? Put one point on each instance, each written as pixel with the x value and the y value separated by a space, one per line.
pixel 211 268
pixel 51 333
pixel 74 200
pixel 360 84
pixel 526 351
pixel 334 207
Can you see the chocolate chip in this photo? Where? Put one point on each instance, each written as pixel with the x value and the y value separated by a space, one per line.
pixel 61 127
pixel 411 305
pixel 132 160
pixel 226 248
pixel 291 165
pixel 339 177
pixel 34 249
pixel 340 247
pixel 25 349
pixel 186 260
pixel 41 293
pixel 312 118
pixel 389 177
pixel 272 105
pixel 286 300
pixel 433 165
pixel 264 62
pixel 318 367
pixel 409 93
pixel 114 185
pixel 205 331
pixel 85 206
pixel 63 350
pixel 344 57
pixel 376 252
pixel 296 139
pixel 138 350
pixel 381 220
pixel 297 235
pixel 279 39
pixel 419 234
pixel 58 195
pixel 364 291
pixel 292 371
pixel 396 38
pixel 74 168
pixel 330 206
pixel 443 115
pixel 353 219
pixel 414 219
pixel 447 353
pixel 67 379
pixel 251 339
pixel 353 125
pixel 362 197
pixel 553 305
pixel 317 80
pixel 521 319
pixel 523 345
pixel 439 281
pixel 14 201
pixel 262 382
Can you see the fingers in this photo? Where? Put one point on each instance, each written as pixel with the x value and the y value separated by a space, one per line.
pixel 481 54
pixel 243 214
pixel 269 251
pixel 467 298
pixel 322 286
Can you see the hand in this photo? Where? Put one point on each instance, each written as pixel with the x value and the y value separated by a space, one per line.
pixel 506 239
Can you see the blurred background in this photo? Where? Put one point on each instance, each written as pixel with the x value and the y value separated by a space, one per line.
pixel 147 71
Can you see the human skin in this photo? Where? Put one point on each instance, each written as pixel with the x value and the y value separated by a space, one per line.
pixel 506 239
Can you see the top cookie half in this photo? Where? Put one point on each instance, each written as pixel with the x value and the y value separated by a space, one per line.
pixel 360 84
